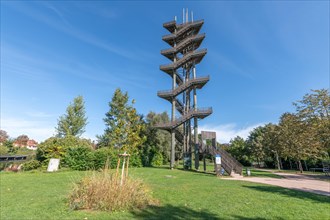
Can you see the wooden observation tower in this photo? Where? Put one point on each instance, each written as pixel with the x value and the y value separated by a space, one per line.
pixel 184 53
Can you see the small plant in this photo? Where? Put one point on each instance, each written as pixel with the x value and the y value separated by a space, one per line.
pixel 103 191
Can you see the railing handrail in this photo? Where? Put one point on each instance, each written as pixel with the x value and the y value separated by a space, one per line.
pixel 190 38
pixel 189 114
pixel 191 23
pixel 186 84
pixel 187 56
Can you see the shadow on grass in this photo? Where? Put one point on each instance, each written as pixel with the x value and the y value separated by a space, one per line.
pixel 291 193
pixel 173 212
pixel 200 172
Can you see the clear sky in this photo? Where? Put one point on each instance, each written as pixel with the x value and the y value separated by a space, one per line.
pixel 262 56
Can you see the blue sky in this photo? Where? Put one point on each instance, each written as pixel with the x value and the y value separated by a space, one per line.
pixel 262 56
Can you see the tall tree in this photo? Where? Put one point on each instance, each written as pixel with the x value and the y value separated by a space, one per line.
pixel 3 136
pixel 124 127
pixel 237 148
pixel 73 123
pixel 314 110
pixel 271 143
pixel 296 140
pixel 255 144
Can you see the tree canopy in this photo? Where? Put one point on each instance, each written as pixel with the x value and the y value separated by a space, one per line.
pixel 73 123
pixel 124 127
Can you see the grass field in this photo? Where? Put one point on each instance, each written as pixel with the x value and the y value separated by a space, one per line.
pixel 182 195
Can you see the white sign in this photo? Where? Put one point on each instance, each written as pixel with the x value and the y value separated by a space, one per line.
pixel 218 160
pixel 53 165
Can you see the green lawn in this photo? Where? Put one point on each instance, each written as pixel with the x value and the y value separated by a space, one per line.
pixel 182 195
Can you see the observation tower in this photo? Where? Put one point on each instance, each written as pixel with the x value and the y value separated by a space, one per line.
pixel 184 54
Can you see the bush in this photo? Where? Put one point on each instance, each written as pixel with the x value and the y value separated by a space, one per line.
pixel 157 160
pixel 31 165
pixel 135 160
pixel 3 150
pixel 79 158
pixel 56 147
pixel 103 191
pixel 102 155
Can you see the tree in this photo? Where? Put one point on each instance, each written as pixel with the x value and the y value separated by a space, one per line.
pixel 271 143
pixel 22 140
pixel 157 141
pixel 3 136
pixel 73 123
pixel 314 110
pixel 124 127
pixel 255 144
pixel 296 138
pixel 237 148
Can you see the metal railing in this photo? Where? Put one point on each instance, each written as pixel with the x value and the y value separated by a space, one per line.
pixel 183 87
pixel 200 112
pixel 183 43
pixel 182 30
pixel 186 58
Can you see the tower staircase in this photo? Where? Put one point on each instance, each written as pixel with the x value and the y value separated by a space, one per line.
pixel 184 40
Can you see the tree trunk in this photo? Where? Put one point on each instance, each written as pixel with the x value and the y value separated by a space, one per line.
pixel 290 164
pixel 300 166
pixel 258 162
pixel 281 165
pixel 278 161
pixel 305 165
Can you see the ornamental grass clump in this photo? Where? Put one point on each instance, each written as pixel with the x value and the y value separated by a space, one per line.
pixel 104 191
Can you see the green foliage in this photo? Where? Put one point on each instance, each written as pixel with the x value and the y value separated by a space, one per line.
pixel 73 123
pixel 239 150
pixel 255 144
pixel 3 150
pixel 135 160
pixel 9 145
pixel 31 165
pixel 124 127
pixel 56 147
pixel 83 158
pixel 157 160
pixel 105 154
pixel 79 158
pixel 314 111
pixel 157 140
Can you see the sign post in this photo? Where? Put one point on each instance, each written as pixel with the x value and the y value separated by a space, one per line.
pixel 218 164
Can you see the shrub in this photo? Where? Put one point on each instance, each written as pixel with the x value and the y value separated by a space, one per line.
pixel 135 160
pixel 31 165
pixel 102 155
pixel 3 150
pixel 79 158
pixel 157 160
pixel 56 147
pixel 103 191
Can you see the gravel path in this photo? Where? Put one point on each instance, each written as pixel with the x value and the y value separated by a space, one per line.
pixel 292 181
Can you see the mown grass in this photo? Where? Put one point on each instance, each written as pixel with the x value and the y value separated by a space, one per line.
pixel 182 195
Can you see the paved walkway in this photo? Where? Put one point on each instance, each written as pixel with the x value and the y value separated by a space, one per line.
pixel 292 181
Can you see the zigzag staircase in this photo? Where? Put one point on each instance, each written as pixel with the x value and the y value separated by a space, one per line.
pixel 184 40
